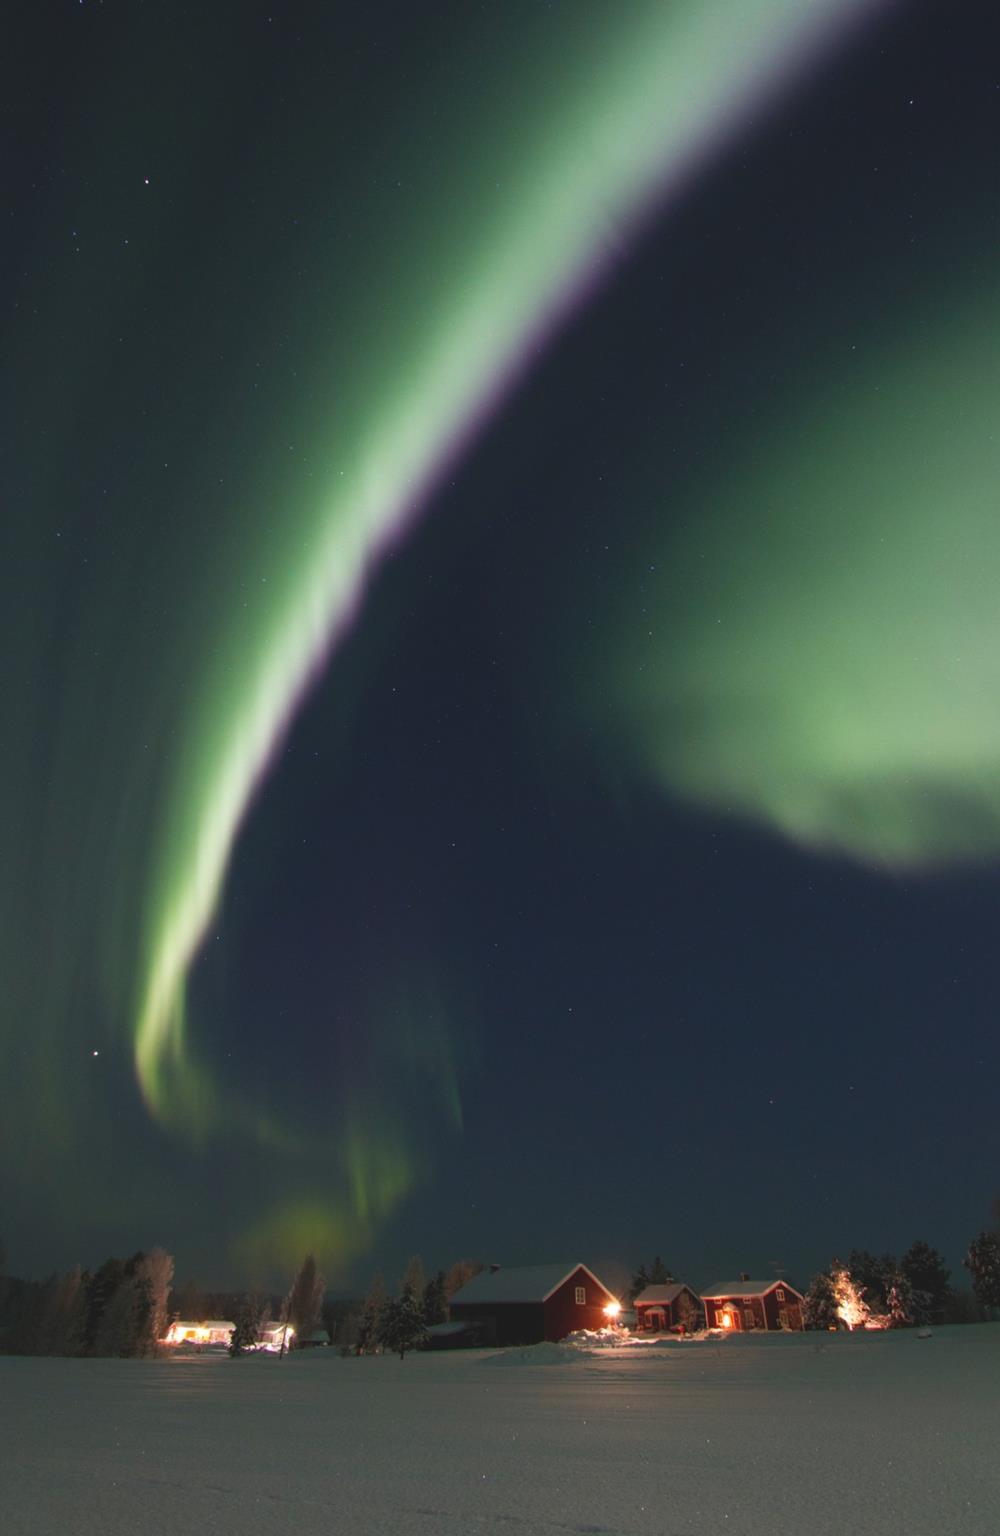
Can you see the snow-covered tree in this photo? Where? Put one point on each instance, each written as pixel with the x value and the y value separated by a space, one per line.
pixel 983 1263
pixel 852 1309
pixel 687 1312
pixel 372 1314
pixel 414 1278
pixel 435 1300
pixel 819 1309
pixel 899 1300
pixel 403 1325
pixel 460 1273
pixel 154 1273
pixel 305 1299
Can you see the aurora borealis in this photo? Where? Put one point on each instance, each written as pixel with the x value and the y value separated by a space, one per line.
pixel 330 664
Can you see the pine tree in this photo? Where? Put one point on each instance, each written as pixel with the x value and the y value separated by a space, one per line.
pixel 983 1263
pixel 640 1280
pixel 121 1320
pixel 60 1319
pixel 869 1275
pixel 924 1268
pixel 819 1308
pixel 658 1274
pixel 370 1327
pixel 101 1286
pixel 247 1323
pixel 435 1301
pixel 305 1299
pixel 403 1325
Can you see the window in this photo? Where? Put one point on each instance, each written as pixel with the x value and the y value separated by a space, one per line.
pixel 581 1296
pixel 779 1294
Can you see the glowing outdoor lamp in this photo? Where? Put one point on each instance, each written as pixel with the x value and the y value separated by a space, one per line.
pixel 612 1310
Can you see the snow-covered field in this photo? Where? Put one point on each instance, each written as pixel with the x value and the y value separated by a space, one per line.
pixel 781 1436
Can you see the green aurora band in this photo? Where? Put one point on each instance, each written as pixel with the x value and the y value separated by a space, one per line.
pixel 645 94
pixel 499 205
pixel 819 646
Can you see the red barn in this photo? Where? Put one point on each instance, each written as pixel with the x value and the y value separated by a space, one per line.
pixel 659 1308
pixel 525 1306
pixel 743 1305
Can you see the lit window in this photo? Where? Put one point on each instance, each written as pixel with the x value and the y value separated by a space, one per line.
pixel 779 1294
pixel 581 1296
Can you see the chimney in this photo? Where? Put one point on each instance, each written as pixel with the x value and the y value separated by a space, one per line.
pixel 493 1268
pixel 743 1276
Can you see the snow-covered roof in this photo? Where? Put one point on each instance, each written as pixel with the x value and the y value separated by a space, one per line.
pixel 209 1322
pixel 660 1295
pixel 533 1282
pixel 724 1288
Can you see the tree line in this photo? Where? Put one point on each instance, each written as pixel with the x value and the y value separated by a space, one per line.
pixel 912 1291
pixel 124 1306
pixel 118 1310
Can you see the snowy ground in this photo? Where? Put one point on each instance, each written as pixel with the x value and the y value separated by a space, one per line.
pixel 782 1436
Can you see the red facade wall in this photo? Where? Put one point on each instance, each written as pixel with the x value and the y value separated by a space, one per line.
pixel 791 1306
pixel 670 1309
pixel 765 1310
pixel 564 1314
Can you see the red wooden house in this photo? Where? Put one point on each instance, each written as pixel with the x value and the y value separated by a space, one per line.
pixel 660 1308
pixel 527 1305
pixel 743 1305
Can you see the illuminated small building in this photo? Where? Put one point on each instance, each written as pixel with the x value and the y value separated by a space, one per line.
pixel 527 1305
pixel 660 1308
pixel 213 1332
pixel 745 1305
pixel 216 1333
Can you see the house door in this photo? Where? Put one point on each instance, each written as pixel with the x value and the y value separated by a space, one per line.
pixel 657 1320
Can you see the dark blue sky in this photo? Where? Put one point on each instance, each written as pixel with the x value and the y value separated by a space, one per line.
pixel 671 1030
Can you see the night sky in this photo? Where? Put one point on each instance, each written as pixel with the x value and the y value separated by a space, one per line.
pixel 500 636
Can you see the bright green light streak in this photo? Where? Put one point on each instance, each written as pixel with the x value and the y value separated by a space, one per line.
pixel 646 97
pixel 820 649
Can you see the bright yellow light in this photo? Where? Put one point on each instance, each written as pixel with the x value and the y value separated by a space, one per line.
pixel 727 1320
pixel 612 1309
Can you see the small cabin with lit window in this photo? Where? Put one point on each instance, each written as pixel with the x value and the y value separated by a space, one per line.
pixel 667 1309
pixel 745 1305
pixel 536 1302
pixel 213 1333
